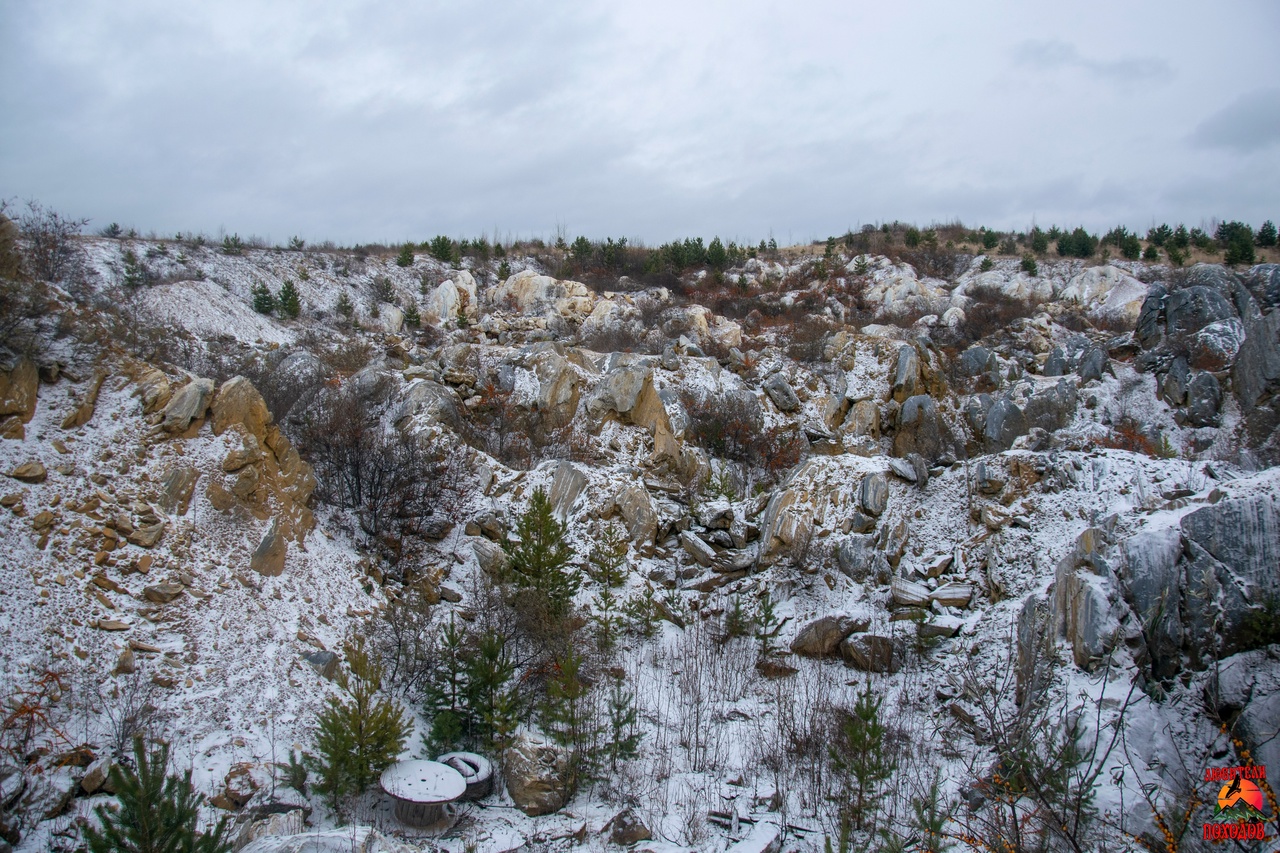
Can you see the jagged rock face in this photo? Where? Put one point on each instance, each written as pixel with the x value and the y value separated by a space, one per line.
pixel 1203 585
pixel 537 774
pixel 1247 689
pixel 1210 328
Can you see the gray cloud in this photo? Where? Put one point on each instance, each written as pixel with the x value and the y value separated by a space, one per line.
pixel 1249 123
pixel 1052 54
pixel 388 121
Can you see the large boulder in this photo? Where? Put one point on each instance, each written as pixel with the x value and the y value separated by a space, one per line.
pixel 1107 293
pixel 1004 423
pixel 18 387
pixel 538 773
pixel 531 293
pixel 906 374
pixel 780 392
pixel 238 402
pixel 268 558
pixel 873 494
pixel 567 484
pixel 189 403
pixel 872 653
pixel 921 429
pixel 822 637
pixel 638 514
pixel 451 299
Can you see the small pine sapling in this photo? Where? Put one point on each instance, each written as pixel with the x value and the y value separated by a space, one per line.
pixel 767 624
pixel 361 733
pixel 642 612
pixel 158 813
pixel 566 715
pixel 608 560
pixel 344 306
pixel 446 694
pixel 412 318
pixel 736 621
pixel 263 301
pixel 492 701
pixel 289 300
pixel 405 258
pixel 624 736
pixel 862 755
pixel 541 558
pixel 1029 265
pixel 297 244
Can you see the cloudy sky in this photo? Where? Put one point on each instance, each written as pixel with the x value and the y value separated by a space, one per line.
pixel 391 120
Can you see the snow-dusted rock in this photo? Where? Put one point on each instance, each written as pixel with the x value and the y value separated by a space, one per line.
pixel 1106 293
pixel 189 403
pixel 530 293
pixel 537 773
pixel 18 387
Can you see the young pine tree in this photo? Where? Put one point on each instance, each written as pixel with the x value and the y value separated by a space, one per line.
pixel 490 697
pixel 567 714
pixel 608 560
pixel 360 734
pixel 290 302
pixel 344 306
pixel 623 737
pixel 446 700
pixel 767 624
pixel 405 258
pixel 861 754
pixel 540 559
pixel 263 301
pixel 158 813
pixel 412 318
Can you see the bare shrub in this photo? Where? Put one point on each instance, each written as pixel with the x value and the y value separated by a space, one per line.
pixel 53 253
pixel 399 487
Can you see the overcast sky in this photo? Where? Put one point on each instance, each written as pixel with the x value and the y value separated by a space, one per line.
pixel 395 120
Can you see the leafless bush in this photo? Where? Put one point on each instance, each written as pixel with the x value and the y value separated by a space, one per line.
pixel 397 485
pixel 129 710
pixel 53 253
pixel 403 638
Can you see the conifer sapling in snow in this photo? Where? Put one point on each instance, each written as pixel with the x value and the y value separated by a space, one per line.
pixel 290 302
pixel 361 733
pixel 158 813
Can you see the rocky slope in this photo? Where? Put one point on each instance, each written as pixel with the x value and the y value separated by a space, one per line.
pixel 1064 508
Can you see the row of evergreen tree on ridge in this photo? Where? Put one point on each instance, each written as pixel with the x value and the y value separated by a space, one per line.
pixel 1235 239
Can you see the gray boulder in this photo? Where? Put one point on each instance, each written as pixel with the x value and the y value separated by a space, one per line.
pixel 189 403
pixel 1056 364
pixel 1204 400
pixel 537 772
pixel 906 376
pixel 638 514
pixel 822 637
pixel 1004 423
pixel 1052 408
pixel 873 494
pixel 781 393
pixel 872 653
pixel 566 485
pixel 1190 309
pixel 920 429
pixel 976 361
